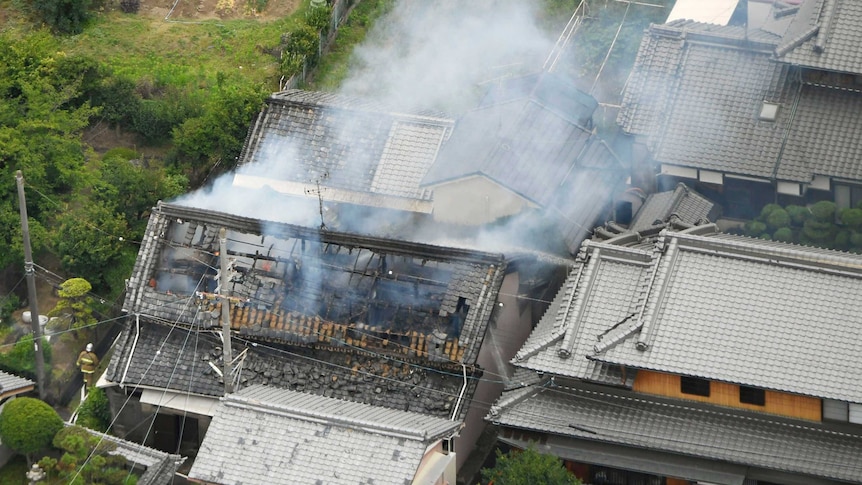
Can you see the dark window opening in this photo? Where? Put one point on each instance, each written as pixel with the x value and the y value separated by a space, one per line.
pixel 694 385
pixel 751 395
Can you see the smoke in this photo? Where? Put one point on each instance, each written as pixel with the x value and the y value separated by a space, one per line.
pixel 423 55
pixel 438 54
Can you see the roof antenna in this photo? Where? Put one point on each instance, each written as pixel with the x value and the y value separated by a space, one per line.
pixel 320 199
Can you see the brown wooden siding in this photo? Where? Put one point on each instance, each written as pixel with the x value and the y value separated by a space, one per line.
pixel 724 394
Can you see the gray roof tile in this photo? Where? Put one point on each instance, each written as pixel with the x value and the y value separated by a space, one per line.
pixel 684 202
pixel 10 384
pixel 722 307
pixel 270 436
pixel 696 92
pixel 343 143
pixel 691 430
pixel 834 29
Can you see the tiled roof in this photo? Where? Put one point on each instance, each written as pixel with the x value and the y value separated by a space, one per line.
pixel 182 361
pixel 722 307
pixel 696 93
pixel 825 136
pixel 317 288
pixel 159 467
pixel 697 96
pixel 623 418
pixel 10 384
pixel 683 202
pixel 273 436
pixel 825 34
pixel 529 143
pixel 343 143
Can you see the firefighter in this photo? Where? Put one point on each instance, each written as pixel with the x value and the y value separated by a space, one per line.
pixel 88 361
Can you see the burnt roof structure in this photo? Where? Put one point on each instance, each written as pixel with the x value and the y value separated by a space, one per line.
pixel 359 306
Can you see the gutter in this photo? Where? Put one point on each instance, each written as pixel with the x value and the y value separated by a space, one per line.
pixel 134 345
pixel 460 395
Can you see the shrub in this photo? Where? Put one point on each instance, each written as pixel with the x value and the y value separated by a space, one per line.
pixel 798 214
pixel 823 210
pixel 778 218
pixel 842 240
pixel 767 210
pixel 528 467
pixel 852 218
pixel 754 228
pixel 94 412
pixel 28 425
pixel 784 234
pixel 20 360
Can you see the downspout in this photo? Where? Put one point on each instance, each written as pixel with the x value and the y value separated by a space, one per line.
pixel 460 395
pixel 134 344
pixel 787 131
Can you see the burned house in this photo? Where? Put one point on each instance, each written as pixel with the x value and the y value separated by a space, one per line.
pixel 391 324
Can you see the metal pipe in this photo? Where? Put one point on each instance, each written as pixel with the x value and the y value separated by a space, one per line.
pixel 460 395
pixel 134 345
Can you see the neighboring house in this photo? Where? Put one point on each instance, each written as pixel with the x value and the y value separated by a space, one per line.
pixel 696 357
pixel 527 150
pixel 264 435
pixel 753 115
pixel 393 324
pixel 680 206
pixel 12 385
pixel 152 467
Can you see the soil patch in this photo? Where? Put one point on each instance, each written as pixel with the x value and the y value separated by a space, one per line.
pixel 197 10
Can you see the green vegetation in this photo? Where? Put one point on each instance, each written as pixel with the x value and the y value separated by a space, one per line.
pixel 334 66
pixel 28 425
pixel 86 459
pixel 528 467
pixel 820 224
pixel 21 359
pixel 94 412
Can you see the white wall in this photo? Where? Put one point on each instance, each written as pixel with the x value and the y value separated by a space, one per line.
pixel 475 200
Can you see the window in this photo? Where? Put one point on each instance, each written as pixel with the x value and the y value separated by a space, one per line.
pixel 694 385
pixel 751 395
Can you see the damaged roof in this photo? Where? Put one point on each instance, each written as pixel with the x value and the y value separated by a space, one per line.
pixel 316 288
pixel 274 436
pixel 698 91
pixel 381 321
pixel 683 202
pixel 187 362
pixel 720 307
pixel 691 430
pixel 350 146
pixel 825 34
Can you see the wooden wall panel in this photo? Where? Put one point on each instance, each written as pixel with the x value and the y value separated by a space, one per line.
pixel 724 394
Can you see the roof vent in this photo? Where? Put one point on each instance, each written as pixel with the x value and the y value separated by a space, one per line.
pixel 769 111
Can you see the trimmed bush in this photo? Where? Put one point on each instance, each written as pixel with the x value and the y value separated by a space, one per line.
pixel 824 210
pixel 28 425
pixel 778 218
pixel 852 218
pixel 798 214
pixel 754 228
pixel 94 413
pixel 784 234
pixel 767 210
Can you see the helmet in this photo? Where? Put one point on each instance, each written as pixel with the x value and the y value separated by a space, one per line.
pixel 89 347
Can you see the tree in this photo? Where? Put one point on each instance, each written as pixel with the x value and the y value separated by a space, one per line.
pixel 64 16
pixel 75 302
pixel 21 359
pixel 528 467
pixel 86 459
pixel 28 425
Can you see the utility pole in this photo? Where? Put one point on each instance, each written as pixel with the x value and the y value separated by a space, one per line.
pixel 31 287
pixel 224 278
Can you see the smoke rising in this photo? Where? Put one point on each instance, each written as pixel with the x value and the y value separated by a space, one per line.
pixel 428 55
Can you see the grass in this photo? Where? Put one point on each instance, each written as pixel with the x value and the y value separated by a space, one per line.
pixel 333 68
pixel 183 54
